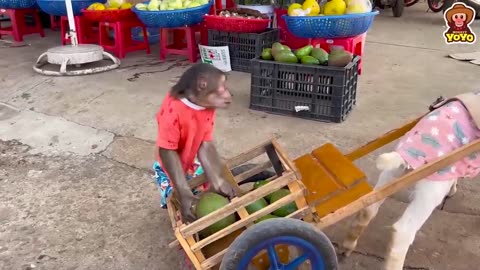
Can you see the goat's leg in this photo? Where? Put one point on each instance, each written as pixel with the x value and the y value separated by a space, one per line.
pixel 363 218
pixel 427 196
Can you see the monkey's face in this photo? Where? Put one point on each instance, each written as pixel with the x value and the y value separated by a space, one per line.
pixel 459 19
pixel 220 98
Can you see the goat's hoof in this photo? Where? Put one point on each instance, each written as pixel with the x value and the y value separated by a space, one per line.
pixel 344 254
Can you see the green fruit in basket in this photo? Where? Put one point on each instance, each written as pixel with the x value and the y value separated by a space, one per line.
pixel 141 6
pixel 153 5
pixel 309 60
pixel 320 54
pixel 203 2
pixel 267 54
pixel 194 4
pixel 210 202
pixel 163 6
pixel 303 51
pixel 286 209
pixel 286 57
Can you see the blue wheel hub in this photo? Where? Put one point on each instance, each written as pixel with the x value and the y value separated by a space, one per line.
pixel 308 252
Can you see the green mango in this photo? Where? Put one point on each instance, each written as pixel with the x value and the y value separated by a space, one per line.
pixel 286 209
pixel 276 48
pixel 267 54
pixel 269 216
pixel 309 60
pixel 256 206
pixel 285 47
pixel 320 54
pixel 286 57
pixel 303 51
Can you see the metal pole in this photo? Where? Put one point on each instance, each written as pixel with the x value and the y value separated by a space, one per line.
pixel 71 23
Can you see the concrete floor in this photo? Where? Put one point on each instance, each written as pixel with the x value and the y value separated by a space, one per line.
pixel 75 182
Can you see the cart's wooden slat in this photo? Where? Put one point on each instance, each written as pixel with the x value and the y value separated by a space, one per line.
pixel 284 155
pixel 214 260
pixel 247 156
pixel 382 140
pixel 301 213
pixel 187 250
pixel 230 208
pixel 255 170
pixel 241 223
pixel 399 184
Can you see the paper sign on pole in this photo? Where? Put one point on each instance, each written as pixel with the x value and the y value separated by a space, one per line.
pixel 216 56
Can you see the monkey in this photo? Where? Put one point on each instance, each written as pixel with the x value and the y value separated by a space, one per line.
pixel 185 147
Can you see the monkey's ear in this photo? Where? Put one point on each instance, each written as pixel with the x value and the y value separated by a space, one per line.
pixel 201 84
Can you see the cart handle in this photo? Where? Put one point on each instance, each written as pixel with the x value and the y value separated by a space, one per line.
pixel 399 184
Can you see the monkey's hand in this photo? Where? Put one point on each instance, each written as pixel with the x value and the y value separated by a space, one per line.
pixel 187 202
pixel 223 187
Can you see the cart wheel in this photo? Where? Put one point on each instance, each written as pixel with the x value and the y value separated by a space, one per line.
pixel 314 246
pixel 398 7
pixel 436 5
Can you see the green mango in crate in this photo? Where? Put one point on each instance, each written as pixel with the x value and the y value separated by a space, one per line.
pixel 320 54
pixel 299 53
pixel 286 57
pixel 309 60
pixel 267 54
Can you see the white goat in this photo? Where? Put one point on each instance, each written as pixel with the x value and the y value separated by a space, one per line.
pixel 427 194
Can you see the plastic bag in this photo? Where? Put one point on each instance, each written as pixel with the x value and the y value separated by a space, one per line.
pixel 358 6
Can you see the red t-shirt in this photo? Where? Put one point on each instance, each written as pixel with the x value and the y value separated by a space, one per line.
pixel 183 126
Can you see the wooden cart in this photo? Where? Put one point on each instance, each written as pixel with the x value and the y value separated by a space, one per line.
pixel 325 185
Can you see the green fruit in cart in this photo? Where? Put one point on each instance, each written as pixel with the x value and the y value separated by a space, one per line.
pixel 265 218
pixel 320 54
pixel 267 54
pixel 286 57
pixel 304 51
pixel 260 183
pixel 210 202
pixel 309 60
pixel 254 207
pixel 276 48
pixel 286 209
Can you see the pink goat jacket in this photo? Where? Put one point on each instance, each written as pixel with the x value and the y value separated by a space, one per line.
pixel 439 133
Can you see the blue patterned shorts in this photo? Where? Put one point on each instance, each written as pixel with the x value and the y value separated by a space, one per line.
pixel 163 182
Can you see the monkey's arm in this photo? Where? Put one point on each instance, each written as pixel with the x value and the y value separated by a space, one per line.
pixel 212 166
pixel 172 165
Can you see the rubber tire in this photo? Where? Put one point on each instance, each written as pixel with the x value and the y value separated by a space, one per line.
pixel 434 9
pixel 398 8
pixel 447 4
pixel 276 227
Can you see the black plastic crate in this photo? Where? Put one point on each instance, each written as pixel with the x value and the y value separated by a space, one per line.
pixel 243 47
pixel 313 92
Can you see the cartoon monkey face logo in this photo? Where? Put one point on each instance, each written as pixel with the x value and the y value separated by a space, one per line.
pixel 458 19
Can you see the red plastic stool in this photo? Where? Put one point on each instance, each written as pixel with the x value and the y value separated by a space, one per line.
pixel 54 22
pixel 184 42
pixel 87 31
pixel 355 45
pixel 122 37
pixel 19 27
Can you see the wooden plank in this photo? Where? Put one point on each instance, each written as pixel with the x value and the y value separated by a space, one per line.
pixel 382 140
pixel 197 181
pixel 214 260
pixel 198 254
pixel 188 251
pixel 301 213
pixel 255 170
pixel 341 168
pixel 283 155
pixel 227 173
pixel 249 155
pixel 204 222
pixel 251 218
pixel 172 213
pixel 399 184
